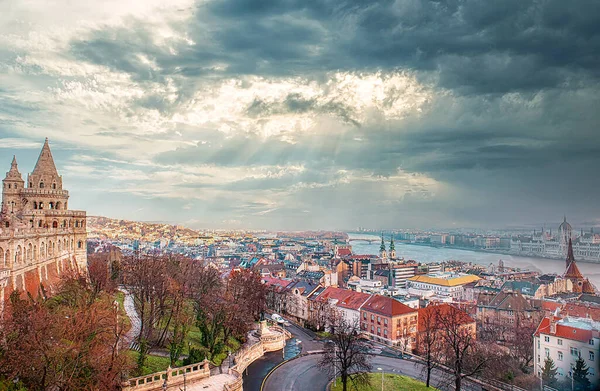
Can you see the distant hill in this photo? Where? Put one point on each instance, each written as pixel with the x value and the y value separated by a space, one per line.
pixel 99 227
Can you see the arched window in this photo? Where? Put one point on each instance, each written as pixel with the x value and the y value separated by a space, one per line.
pixel 41 205
pixel 42 250
pixel 29 251
pixel 54 186
pixel 76 223
pixel 55 224
pixel 9 186
pixel 34 205
pixel 7 224
pixel 39 223
pixel 3 256
pixel 51 205
pixel 59 246
pixel 79 244
pixel 35 254
pixel 41 185
pixel 57 206
pixel 30 184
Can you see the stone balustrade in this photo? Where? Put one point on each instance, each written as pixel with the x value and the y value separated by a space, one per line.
pixel 273 339
pixel 174 377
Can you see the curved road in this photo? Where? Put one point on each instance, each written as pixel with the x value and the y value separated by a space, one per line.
pixel 304 374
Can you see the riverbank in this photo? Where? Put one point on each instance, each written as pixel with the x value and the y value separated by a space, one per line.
pixel 499 252
pixel 427 254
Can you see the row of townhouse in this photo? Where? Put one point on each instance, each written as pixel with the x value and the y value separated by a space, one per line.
pixel 379 318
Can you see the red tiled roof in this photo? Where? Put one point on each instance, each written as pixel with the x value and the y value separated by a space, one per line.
pixel 386 306
pixel 343 252
pixel 587 287
pixel 354 301
pixel 573 271
pixel 563 331
pixel 550 306
pixel 278 283
pixel 346 298
pixel 581 311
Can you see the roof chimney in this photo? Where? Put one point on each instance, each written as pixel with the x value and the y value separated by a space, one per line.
pixel 552 325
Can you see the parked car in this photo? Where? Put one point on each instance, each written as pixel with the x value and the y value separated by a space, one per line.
pixel 277 319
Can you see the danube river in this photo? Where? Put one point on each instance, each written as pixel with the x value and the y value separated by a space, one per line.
pixel 427 254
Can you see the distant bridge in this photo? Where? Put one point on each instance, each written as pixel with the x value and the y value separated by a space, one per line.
pixel 370 241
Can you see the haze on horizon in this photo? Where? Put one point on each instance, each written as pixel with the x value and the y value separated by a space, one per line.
pixel 309 114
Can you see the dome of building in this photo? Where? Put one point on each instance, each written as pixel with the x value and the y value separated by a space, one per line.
pixel 564 226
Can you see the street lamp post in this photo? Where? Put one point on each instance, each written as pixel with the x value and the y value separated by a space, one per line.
pixel 381 369
pixel 283 349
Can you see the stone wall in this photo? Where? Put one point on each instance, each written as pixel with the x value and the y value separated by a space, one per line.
pixel 273 341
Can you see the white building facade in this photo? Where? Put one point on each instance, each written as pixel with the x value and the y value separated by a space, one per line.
pixel 564 341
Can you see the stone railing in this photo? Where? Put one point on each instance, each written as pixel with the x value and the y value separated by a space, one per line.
pixel 237 384
pixel 173 377
pixel 267 343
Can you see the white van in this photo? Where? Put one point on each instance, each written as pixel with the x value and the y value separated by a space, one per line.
pixel 277 319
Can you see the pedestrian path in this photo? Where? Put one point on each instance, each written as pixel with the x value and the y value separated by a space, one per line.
pixel 213 383
pixel 130 339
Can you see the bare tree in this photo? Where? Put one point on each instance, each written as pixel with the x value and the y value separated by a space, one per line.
pixel 428 340
pixel 522 345
pixel 348 355
pixel 458 345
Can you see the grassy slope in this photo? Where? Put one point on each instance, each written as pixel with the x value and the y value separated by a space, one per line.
pixel 390 383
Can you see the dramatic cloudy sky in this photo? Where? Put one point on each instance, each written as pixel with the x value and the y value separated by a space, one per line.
pixel 296 114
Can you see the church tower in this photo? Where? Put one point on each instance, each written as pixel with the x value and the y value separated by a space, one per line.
pixel 382 252
pixel 392 248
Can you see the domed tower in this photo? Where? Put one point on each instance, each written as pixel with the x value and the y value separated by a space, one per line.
pixel 565 234
pixel 12 186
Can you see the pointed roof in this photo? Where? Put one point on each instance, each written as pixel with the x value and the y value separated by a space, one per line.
pixel 572 271
pixel 570 255
pixel 14 170
pixel 45 163
pixel 382 247
pixel 392 247
pixel 587 287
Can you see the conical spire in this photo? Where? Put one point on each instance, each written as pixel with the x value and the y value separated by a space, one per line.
pixel 382 247
pixel 45 163
pixel 570 255
pixel 14 169
pixel 392 248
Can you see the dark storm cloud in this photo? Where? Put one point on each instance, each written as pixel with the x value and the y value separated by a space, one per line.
pixel 514 124
pixel 476 46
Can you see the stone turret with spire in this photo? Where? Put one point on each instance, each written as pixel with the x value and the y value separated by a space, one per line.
pixel 41 238
pixel 45 175
pixel 392 248
pixel 12 186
